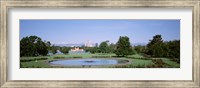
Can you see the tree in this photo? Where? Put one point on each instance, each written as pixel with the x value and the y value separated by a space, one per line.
pixel 54 49
pixel 48 44
pixel 170 49
pixel 65 50
pixel 139 49
pixel 92 49
pixel 42 49
pixel 173 50
pixel 123 46
pixel 104 47
pixel 155 46
pixel 32 46
pixel 111 48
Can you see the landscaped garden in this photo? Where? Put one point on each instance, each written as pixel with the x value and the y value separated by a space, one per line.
pixel 137 61
pixel 100 43
pixel 36 53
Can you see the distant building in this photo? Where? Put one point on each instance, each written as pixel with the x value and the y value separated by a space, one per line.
pixel 96 44
pixel 70 45
pixel 77 50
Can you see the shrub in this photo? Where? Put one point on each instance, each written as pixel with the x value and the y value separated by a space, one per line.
pixel 58 57
pixel 158 63
pixel 101 56
pixel 123 61
pixel 132 57
pixel 67 57
pixel 33 59
pixel 176 60
pixel 77 57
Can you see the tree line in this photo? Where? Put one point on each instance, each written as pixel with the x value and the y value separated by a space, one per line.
pixel 34 46
pixel 159 48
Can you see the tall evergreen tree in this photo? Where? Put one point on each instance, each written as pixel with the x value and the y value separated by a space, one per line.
pixel 174 50
pixel 123 46
pixel 155 46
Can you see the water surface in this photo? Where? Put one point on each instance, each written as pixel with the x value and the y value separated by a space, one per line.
pixel 88 61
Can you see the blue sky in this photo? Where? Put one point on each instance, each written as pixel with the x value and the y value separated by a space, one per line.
pixel 96 31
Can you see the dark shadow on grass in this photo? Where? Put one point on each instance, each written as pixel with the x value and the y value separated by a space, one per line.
pixel 118 56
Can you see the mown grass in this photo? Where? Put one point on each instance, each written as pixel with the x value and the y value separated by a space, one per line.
pixel 170 63
pixel 35 64
pixel 137 61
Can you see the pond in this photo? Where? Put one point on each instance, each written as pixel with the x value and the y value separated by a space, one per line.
pixel 89 62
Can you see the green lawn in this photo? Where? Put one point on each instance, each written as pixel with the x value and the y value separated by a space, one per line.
pixel 141 63
pixel 170 63
pixel 137 61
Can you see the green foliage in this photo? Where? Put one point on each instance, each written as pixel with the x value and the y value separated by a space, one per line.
pixel 92 49
pixel 101 56
pixel 135 63
pixel 155 46
pixel 103 47
pixel 123 47
pixel 158 48
pixel 158 63
pixel 33 64
pixel 133 51
pixel 140 48
pixel 32 46
pixel 42 48
pixel 54 49
pixel 111 48
pixel 58 57
pixel 32 59
pixel 65 50
pixel 48 44
pixel 170 63
pixel 172 49
pixel 136 56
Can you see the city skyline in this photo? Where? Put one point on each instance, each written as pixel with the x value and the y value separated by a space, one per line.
pixel 96 31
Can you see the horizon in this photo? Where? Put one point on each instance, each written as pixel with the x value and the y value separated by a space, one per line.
pixel 97 31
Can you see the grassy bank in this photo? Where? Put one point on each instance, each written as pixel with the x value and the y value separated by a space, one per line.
pixel 137 61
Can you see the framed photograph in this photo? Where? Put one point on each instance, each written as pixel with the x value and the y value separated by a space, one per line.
pixel 121 43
